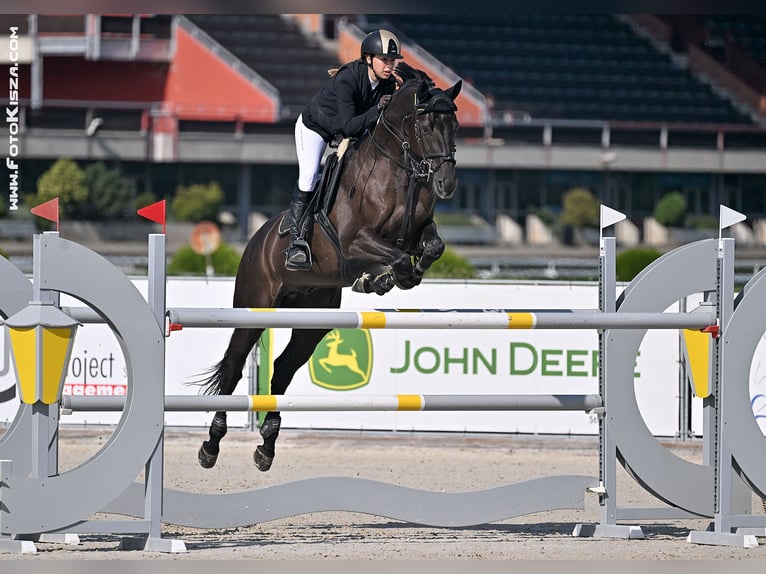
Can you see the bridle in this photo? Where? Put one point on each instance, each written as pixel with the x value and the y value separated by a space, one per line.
pixel 418 167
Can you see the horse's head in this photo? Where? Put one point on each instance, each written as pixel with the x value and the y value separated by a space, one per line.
pixel 421 118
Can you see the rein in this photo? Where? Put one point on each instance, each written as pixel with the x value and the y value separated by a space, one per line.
pixel 418 168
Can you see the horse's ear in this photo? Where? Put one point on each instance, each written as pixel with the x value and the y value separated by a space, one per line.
pixel 454 90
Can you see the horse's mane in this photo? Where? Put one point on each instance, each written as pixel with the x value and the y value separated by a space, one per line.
pixel 438 100
pixel 407 73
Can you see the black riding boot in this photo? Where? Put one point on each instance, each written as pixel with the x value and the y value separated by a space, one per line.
pixel 299 252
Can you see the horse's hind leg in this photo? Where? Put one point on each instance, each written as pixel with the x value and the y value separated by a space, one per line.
pixel 296 354
pixel 223 381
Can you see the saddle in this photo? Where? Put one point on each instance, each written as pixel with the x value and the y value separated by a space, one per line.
pixel 321 204
pixel 322 200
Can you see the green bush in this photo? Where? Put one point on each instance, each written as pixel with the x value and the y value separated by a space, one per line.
pixel 671 209
pixel 66 181
pixel 97 192
pixel 197 202
pixel 225 261
pixel 632 261
pixel 580 208
pixel 3 253
pixel 110 194
pixel 451 266
pixel 702 222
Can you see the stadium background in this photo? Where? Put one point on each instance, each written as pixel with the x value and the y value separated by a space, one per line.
pixel 629 106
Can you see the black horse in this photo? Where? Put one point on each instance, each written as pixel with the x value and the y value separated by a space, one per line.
pixel 376 232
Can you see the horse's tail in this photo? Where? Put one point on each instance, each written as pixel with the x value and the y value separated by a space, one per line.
pixel 213 378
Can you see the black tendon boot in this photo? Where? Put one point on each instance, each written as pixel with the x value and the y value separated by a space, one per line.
pixel 299 252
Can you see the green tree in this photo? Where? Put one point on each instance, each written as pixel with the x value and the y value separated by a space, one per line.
pixel 631 262
pixel 671 209
pixel 111 194
pixel 65 180
pixel 225 261
pixel 197 202
pixel 580 208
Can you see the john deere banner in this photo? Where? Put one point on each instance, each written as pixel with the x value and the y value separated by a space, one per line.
pixel 427 361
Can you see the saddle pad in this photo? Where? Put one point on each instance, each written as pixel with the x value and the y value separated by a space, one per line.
pixel 325 194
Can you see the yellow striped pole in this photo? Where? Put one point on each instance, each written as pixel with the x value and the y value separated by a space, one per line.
pixel 334 402
pixel 434 319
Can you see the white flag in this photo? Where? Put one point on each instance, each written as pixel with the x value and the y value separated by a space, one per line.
pixel 729 217
pixel 610 216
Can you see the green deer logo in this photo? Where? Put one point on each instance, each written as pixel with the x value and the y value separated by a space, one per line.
pixel 338 366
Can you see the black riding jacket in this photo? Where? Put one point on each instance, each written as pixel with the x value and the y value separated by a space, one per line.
pixel 346 105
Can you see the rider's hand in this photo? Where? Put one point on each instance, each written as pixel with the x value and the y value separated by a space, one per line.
pixel 383 101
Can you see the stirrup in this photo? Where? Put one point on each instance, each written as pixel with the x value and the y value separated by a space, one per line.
pixel 298 256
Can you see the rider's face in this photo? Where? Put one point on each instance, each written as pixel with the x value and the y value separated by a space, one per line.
pixel 383 66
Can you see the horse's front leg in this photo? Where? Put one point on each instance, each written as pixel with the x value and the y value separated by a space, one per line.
pixel 392 275
pixel 432 247
pixel 383 264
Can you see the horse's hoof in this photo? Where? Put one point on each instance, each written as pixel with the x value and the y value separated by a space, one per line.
pixel 409 282
pixel 262 460
pixel 384 282
pixel 362 284
pixel 206 460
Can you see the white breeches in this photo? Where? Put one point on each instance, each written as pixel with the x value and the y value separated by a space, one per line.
pixel 310 148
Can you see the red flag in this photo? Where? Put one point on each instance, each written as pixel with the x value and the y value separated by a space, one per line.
pixel 154 212
pixel 48 210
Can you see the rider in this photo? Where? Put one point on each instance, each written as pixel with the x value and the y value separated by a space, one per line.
pixel 346 106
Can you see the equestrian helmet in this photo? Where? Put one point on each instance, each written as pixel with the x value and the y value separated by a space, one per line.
pixel 381 43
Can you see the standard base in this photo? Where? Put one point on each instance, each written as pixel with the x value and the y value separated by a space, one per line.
pixel 722 539
pixel 52 538
pixel 17 546
pixel 623 531
pixel 148 544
